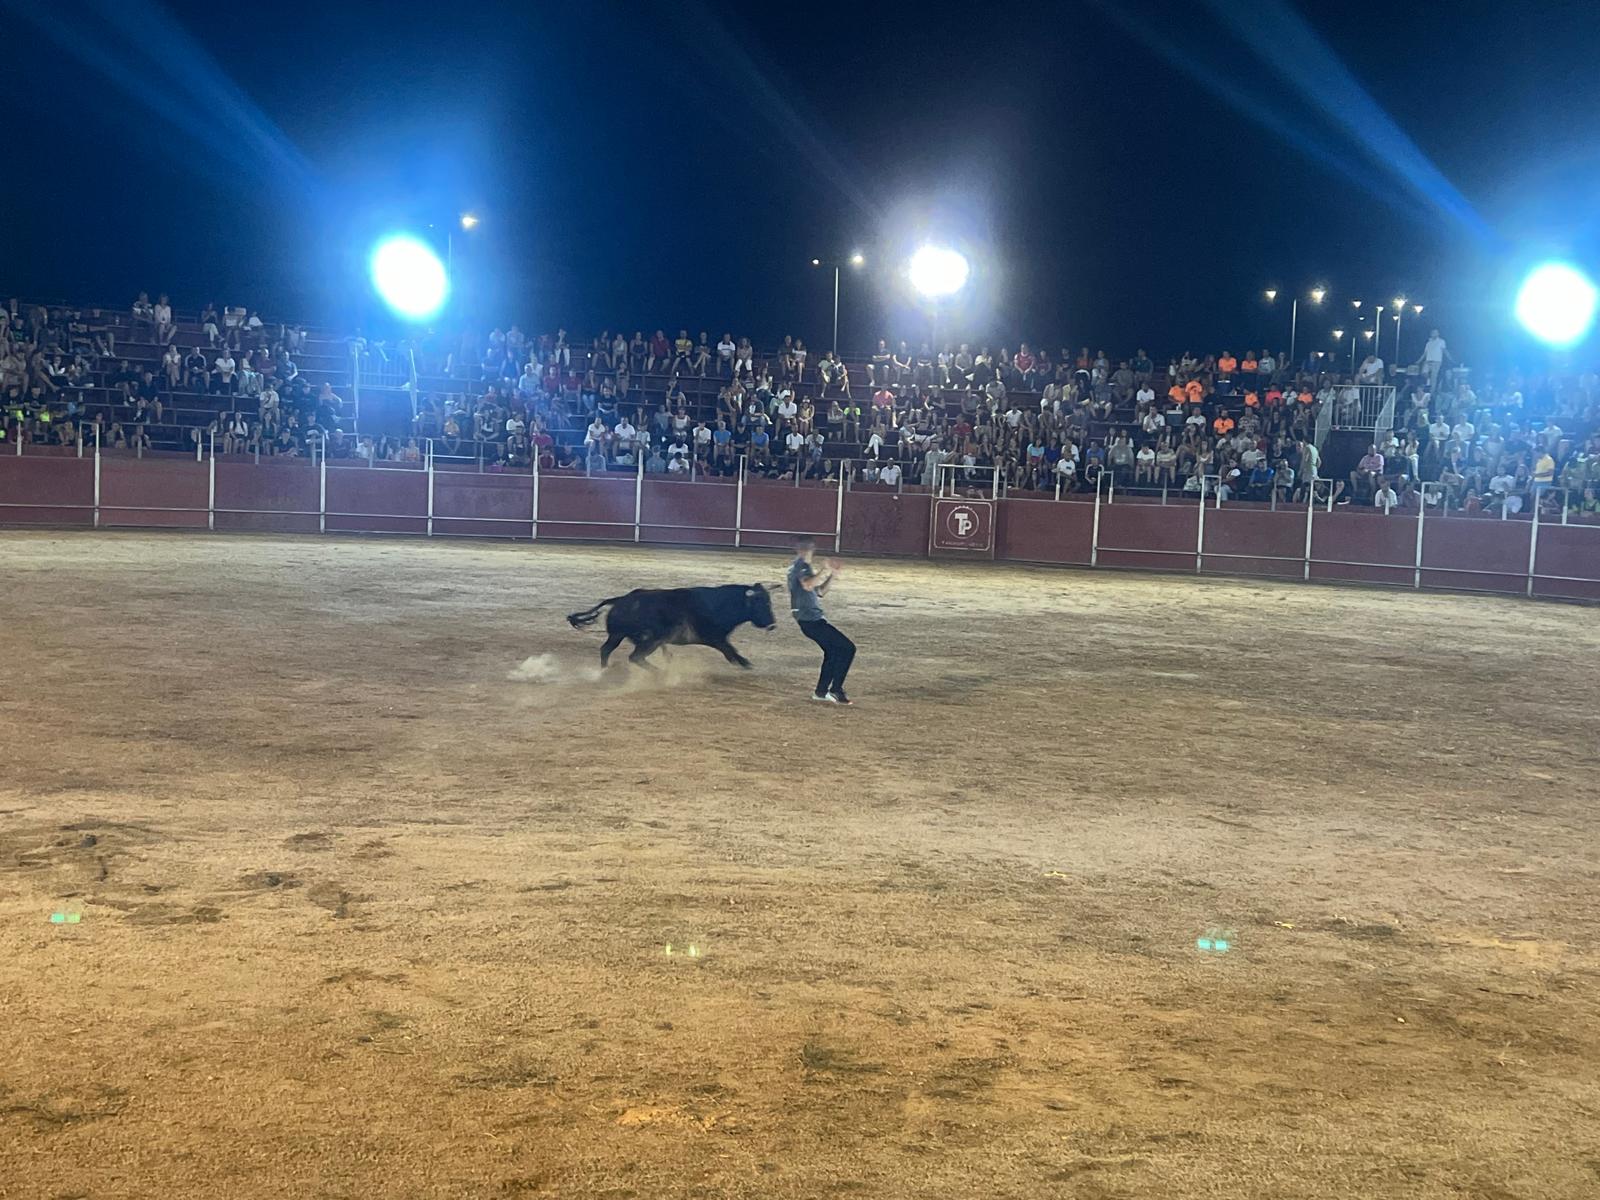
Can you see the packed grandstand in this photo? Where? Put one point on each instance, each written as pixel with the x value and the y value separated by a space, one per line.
pixel 1250 425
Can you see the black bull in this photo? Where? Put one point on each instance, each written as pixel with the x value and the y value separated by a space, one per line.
pixel 697 616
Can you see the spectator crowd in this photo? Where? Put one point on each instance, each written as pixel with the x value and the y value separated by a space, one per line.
pixel 1250 425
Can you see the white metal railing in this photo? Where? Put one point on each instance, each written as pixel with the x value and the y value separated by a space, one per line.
pixel 1366 406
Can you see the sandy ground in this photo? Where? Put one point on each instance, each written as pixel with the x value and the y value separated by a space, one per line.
pixel 370 904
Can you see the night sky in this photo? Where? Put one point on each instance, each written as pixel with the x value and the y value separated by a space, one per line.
pixel 1120 175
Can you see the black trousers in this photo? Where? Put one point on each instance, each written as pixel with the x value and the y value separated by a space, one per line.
pixel 838 652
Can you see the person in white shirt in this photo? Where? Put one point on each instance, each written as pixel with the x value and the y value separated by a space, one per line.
pixel 794 441
pixel 787 408
pixel 1465 431
pixel 1439 431
pixel 890 474
pixel 163 319
pixel 1144 471
pixel 595 435
pixel 874 444
pixel 223 378
pixel 725 349
pixel 1434 354
pixel 1385 497
pixel 1145 395
pixel 625 433
pixel 1371 371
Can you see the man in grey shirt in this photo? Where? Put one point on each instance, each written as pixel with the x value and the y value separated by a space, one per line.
pixel 806 587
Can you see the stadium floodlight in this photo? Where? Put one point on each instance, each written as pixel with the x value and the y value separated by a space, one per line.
pixel 1557 304
pixel 1355 304
pixel 938 271
pixel 468 220
pixel 1317 293
pixel 1338 335
pixel 858 259
pixel 1399 301
pixel 409 276
pixel 1272 294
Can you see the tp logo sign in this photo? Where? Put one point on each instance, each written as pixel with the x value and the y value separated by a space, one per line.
pixel 963 525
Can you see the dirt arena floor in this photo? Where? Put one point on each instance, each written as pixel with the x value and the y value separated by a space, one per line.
pixel 366 884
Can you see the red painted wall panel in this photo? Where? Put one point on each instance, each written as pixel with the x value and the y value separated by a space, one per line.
pixel 601 509
pixel 1255 541
pixel 700 513
pixel 1474 554
pixel 1045 531
pixel 881 522
pixel 46 491
pixel 775 512
pixel 1148 527
pixel 1568 556
pixel 482 505
pixel 267 487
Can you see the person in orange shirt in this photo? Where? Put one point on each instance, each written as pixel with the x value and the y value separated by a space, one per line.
pixel 1251 400
pixel 1176 393
pixel 1306 397
pixel 1274 396
pixel 1227 364
pixel 1249 365
pixel 1194 392
pixel 1223 425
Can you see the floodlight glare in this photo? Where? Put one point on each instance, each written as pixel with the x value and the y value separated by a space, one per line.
pixel 857 259
pixel 1557 304
pixel 938 271
pixel 409 277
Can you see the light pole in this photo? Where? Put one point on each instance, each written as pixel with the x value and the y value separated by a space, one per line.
pixel 1399 312
pixel 855 260
pixel 1316 294
pixel 468 221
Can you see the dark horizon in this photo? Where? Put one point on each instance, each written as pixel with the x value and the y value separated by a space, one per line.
pixel 668 167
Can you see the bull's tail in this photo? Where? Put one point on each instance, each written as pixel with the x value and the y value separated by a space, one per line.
pixel 589 616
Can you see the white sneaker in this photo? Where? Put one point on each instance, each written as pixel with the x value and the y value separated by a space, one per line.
pixel 821 699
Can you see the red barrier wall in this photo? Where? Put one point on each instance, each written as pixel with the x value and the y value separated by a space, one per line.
pixel 1255 541
pixel 377 500
pixel 1568 566
pixel 1476 554
pixel 478 505
pixel 1148 537
pixel 571 506
pixel 46 491
pixel 1044 531
pixel 165 493
pixel 700 514
pixel 1458 552
pixel 279 497
pixel 877 521
pixel 1364 546
pixel 774 513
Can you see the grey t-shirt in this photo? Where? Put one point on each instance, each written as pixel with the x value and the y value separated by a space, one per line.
pixel 802 604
